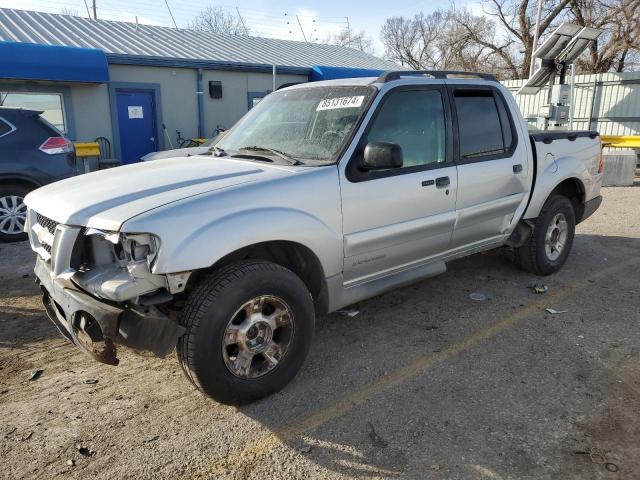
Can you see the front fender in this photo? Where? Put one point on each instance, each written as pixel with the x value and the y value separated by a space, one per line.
pixel 213 240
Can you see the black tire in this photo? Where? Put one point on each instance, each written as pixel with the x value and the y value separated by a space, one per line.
pixel 532 256
pixel 210 308
pixel 8 192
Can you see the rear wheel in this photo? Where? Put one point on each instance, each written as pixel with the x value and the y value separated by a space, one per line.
pixel 248 330
pixel 13 213
pixel 549 245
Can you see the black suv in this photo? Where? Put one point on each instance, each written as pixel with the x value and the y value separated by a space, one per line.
pixel 32 153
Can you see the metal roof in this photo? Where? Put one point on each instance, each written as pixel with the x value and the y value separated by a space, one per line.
pixel 121 41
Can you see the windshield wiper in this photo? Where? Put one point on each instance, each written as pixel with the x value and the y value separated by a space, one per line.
pixel 284 156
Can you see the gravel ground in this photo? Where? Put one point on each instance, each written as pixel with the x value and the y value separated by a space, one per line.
pixel 423 383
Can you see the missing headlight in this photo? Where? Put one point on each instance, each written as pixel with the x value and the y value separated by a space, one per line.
pixel 121 248
pixel 140 246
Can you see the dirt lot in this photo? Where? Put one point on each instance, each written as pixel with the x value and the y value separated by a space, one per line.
pixel 423 383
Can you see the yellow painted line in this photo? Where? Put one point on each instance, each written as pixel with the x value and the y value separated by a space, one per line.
pixel 392 379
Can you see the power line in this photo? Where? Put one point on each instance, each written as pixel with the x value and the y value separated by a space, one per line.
pixel 261 23
pixel 301 29
pixel 174 20
pixel 87 7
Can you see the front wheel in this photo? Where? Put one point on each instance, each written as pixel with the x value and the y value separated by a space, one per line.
pixel 549 245
pixel 13 213
pixel 249 327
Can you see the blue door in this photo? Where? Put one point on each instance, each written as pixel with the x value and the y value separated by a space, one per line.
pixel 136 123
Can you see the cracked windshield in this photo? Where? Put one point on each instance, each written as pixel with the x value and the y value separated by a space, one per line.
pixel 304 125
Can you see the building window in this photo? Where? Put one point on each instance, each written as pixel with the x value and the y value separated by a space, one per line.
pixel 51 104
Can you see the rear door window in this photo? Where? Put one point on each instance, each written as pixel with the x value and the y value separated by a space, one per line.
pixel 484 127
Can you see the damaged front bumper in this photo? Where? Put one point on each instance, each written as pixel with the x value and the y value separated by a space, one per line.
pixel 96 326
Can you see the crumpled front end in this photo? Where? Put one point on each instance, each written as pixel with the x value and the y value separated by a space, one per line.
pixel 99 291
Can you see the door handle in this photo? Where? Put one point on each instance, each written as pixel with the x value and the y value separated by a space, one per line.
pixel 442 182
pixel 517 168
pixel 152 139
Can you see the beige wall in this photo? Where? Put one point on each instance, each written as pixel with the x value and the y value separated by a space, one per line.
pixel 90 105
pixel 235 86
pixel 179 103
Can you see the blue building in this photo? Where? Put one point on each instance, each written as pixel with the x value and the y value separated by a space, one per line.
pixel 124 81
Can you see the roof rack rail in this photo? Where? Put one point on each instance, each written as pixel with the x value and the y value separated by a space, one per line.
pixel 439 74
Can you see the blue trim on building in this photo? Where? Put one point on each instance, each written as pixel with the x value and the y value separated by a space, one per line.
pixel 63 90
pixel 28 61
pixel 124 59
pixel 113 109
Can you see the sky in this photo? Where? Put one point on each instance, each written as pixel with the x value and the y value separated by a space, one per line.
pixel 269 18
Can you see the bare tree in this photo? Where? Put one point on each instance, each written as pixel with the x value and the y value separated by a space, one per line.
pixel 347 38
pixel 216 20
pixel 439 41
pixel 501 41
pixel 517 19
pixel 69 11
pixel 619 44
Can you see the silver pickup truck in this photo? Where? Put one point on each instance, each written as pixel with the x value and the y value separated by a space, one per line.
pixel 323 195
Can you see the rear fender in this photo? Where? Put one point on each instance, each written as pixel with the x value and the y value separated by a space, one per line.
pixel 551 173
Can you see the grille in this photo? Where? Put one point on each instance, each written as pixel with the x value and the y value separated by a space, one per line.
pixel 50 225
pixel 47 223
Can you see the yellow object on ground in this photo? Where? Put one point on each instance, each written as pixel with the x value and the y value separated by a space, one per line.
pixel 87 149
pixel 621 141
pixel 200 140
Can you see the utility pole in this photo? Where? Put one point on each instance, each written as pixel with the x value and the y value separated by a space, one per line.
pixel 536 34
pixel 348 31
pixel 95 12
pixel 301 29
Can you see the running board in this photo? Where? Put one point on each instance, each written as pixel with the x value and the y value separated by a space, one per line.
pixel 341 297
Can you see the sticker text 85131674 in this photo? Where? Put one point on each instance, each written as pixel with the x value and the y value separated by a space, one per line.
pixel 340 102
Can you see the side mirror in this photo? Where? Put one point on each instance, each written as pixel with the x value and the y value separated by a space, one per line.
pixel 382 155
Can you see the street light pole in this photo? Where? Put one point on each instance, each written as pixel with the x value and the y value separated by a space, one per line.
pixel 536 34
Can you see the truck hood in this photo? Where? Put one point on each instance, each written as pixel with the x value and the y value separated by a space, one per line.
pixel 108 198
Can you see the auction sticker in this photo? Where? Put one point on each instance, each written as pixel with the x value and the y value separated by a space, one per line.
pixel 340 102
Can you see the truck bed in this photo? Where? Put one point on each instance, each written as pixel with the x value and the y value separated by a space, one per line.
pixel 560 155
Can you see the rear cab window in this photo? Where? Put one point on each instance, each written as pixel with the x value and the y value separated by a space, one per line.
pixel 485 127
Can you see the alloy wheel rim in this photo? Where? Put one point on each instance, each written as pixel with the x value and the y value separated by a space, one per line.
pixel 556 236
pixel 257 337
pixel 13 214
